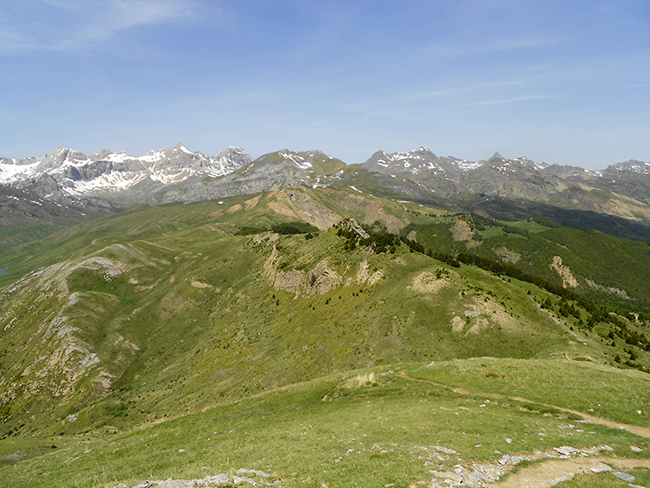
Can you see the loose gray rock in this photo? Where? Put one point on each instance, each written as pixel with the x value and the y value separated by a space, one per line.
pixel 220 479
pixel 566 451
pixel 624 476
pixel 599 468
pixel 253 471
pixel 238 480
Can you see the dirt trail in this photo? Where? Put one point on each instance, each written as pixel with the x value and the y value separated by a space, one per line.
pixel 635 429
pixel 554 471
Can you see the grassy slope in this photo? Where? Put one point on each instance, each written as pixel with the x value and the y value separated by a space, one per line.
pixel 387 431
pixel 597 389
pixel 236 336
pixel 607 261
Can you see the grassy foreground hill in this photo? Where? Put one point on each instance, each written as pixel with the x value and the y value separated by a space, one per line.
pixel 373 427
pixel 127 342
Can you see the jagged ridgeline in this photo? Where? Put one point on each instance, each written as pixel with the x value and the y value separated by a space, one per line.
pixel 166 310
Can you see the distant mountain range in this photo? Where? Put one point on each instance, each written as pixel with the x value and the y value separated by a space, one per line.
pixel 106 179
pixel 67 175
pixel 519 177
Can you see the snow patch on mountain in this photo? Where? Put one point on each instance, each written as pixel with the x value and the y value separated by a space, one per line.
pixel 105 171
pixel 469 165
pixel 301 162
pixel 11 171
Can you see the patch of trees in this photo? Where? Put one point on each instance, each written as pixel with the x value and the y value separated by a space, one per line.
pixel 415 246
pixel 511 229
pixel 565 309
pixel 544 221
pixel 507 269
pixel 379 241
pixel 445 258
pixel 621 329
pixel 288 228
pixel 251 230
pixel 479 222
pixel 283 228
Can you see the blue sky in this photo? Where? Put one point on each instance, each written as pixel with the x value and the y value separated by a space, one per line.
pixel 562 82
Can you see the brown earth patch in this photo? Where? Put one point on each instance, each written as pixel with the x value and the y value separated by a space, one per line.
pixel 508 256
pixel 495 313
pixel 608 289
pixel 426 282
pixel 252 202
pixel 461 231
pixel 554 471
pixel 457 324
pixel 373 210
pixel 294 203
pixel 565 273
pixel 323 279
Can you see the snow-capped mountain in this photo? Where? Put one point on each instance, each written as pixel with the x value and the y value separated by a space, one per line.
pixel 491 175
pixel 107 178
pixel 626 185
pixel 272 171
pixel 423 161
pixel 69 174
pixel 453 175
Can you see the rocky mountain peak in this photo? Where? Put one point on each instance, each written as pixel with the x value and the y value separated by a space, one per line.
pixel 103 154
pixel 181 147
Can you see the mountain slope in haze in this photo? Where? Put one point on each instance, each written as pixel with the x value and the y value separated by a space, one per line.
pixel 497 187
pixel 629 178
pixel 25 216
pixel 166 310
pixel 620 190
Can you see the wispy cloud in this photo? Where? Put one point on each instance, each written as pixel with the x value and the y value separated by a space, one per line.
pixel 58 25
pixel 393 113
pixel 465 89
pixel 482 103
pixel 464 49
pixel 401 104
pixel 506 100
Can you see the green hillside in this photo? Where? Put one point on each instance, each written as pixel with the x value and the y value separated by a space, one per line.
pixel 607 269
pixel 259 306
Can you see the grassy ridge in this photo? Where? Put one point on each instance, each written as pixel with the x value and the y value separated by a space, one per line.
pixel 196 315
pixel 142 333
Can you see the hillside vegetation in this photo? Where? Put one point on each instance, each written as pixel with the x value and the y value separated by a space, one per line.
pixel 153 328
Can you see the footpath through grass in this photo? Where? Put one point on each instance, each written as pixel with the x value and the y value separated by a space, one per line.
pixel 374 428
pixel 614 394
